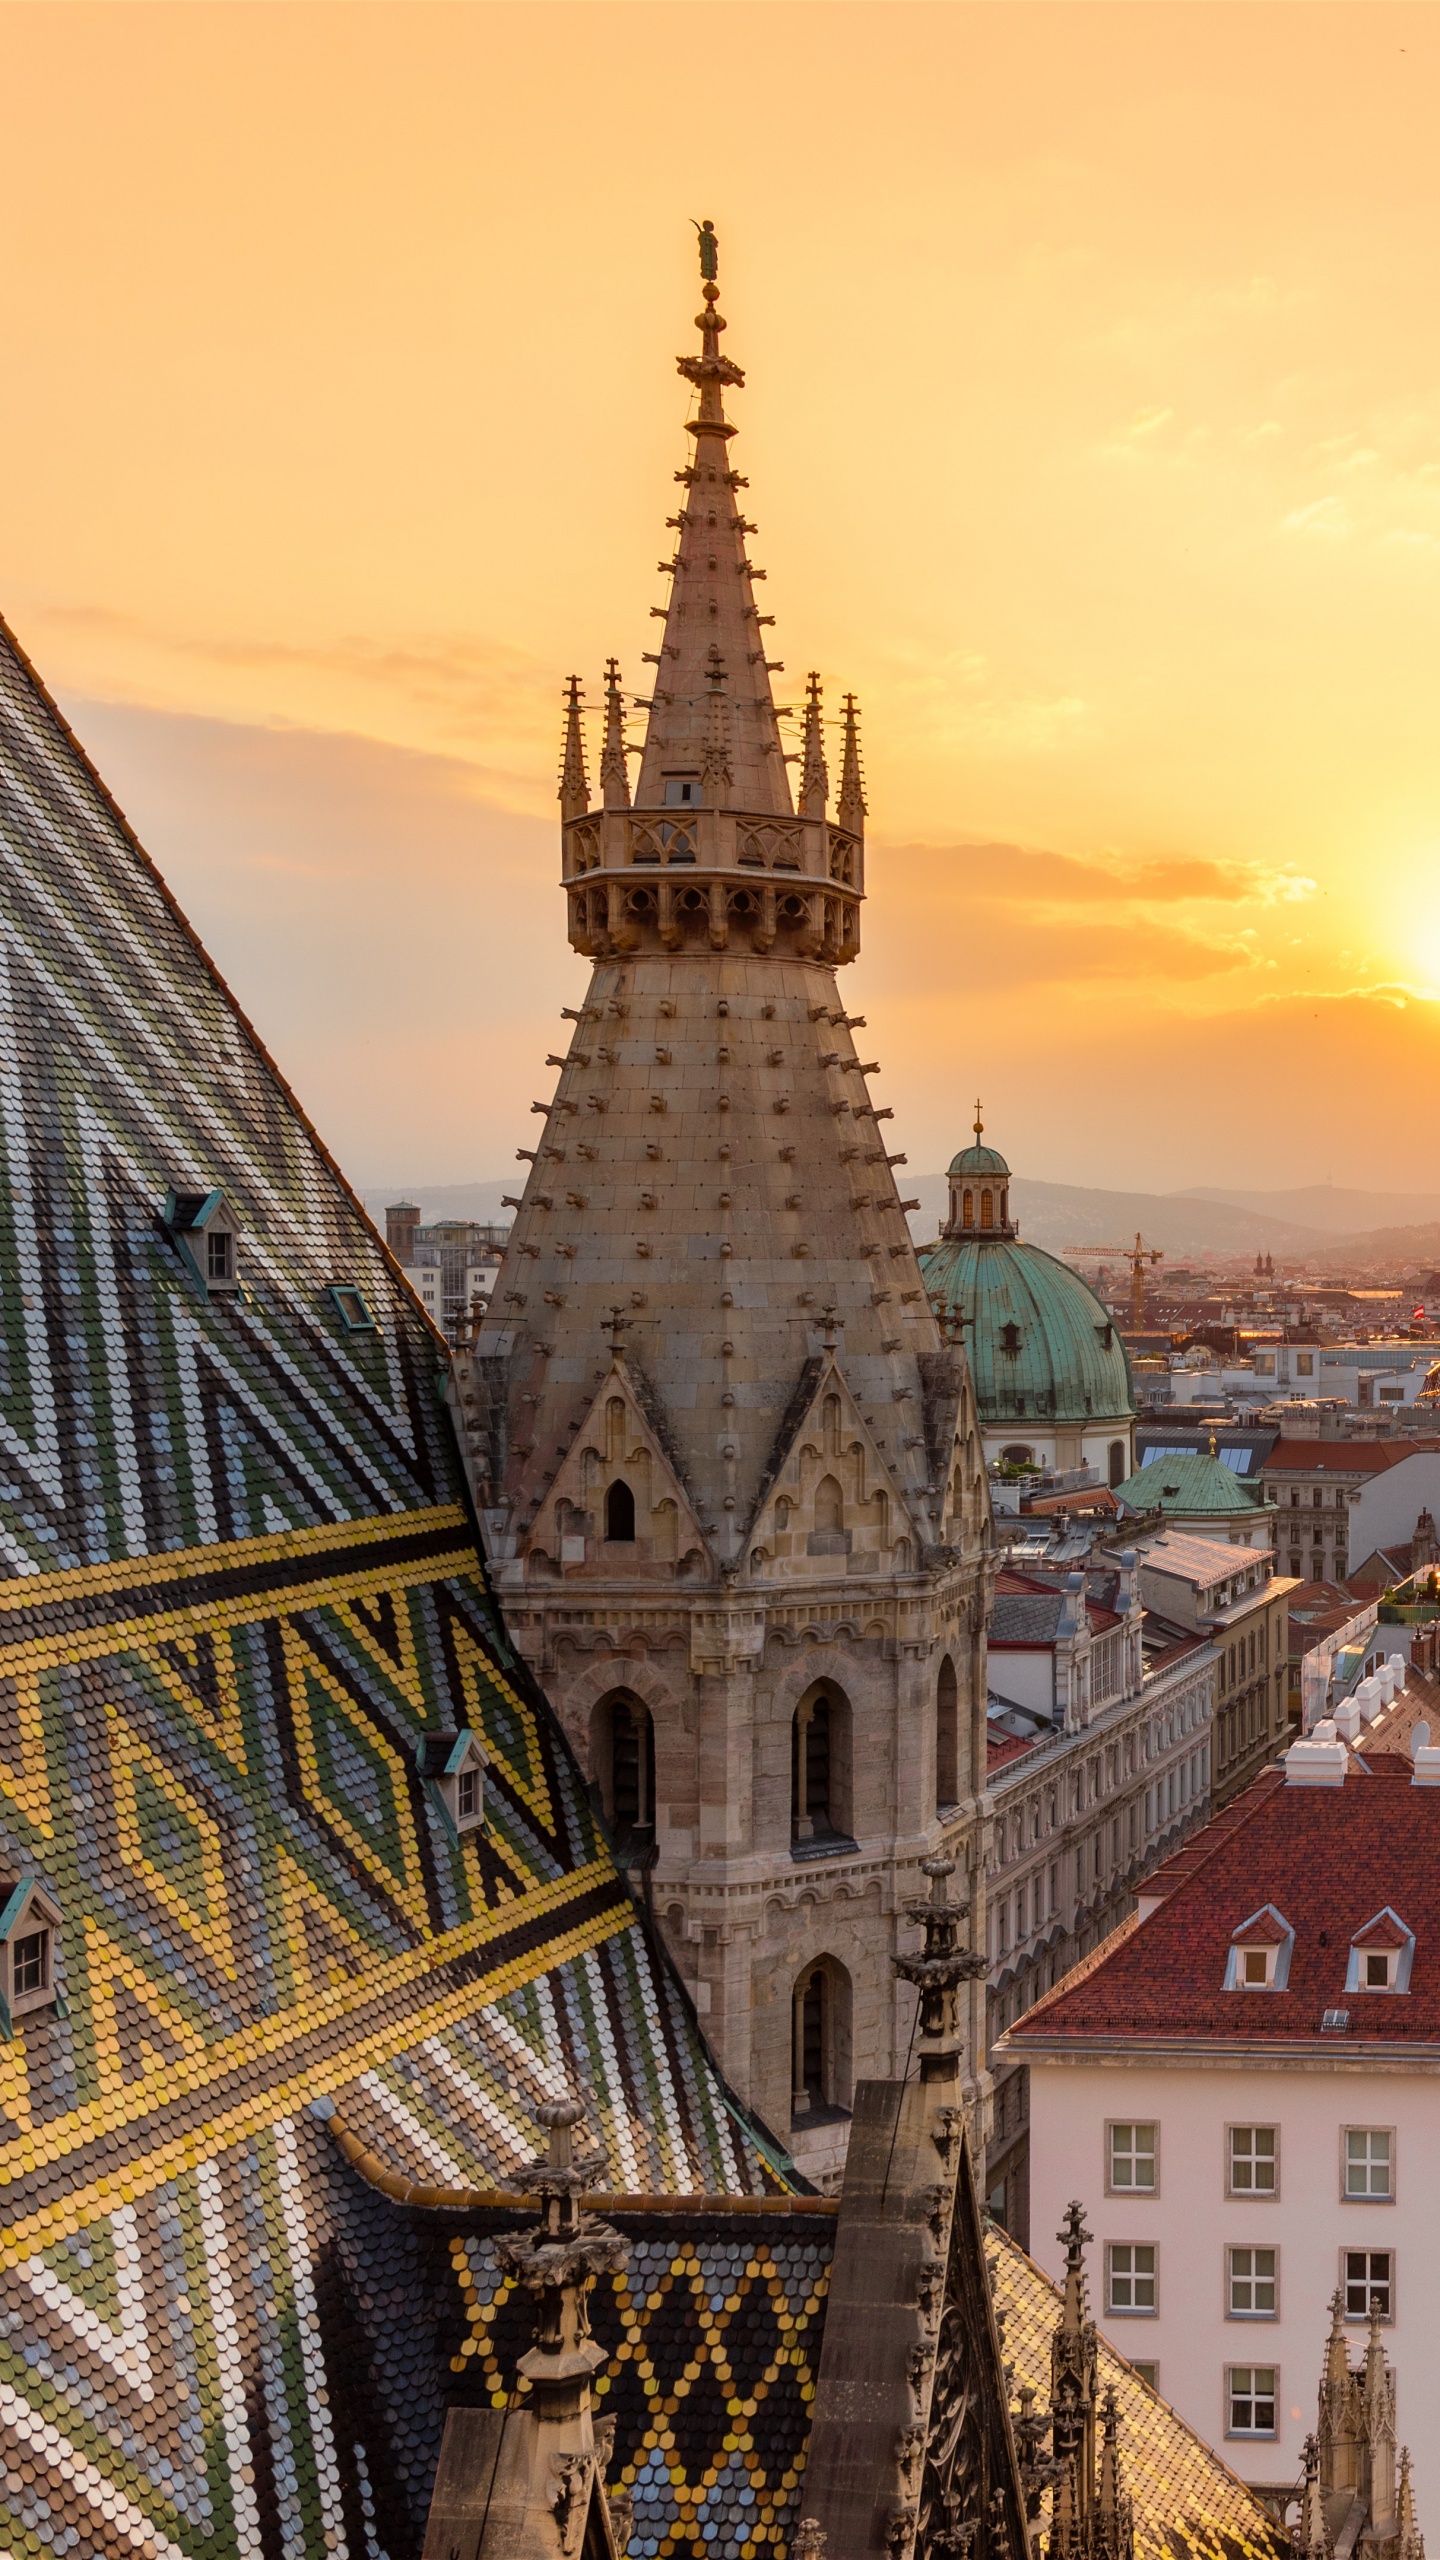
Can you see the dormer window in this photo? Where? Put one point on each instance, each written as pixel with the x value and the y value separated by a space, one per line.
pixel 207 1234
pixel 351 1308
pixel 29 1928
pixel 1381 1954
pixel 1010 1339
pixel 1260 1951
pixel 453 1767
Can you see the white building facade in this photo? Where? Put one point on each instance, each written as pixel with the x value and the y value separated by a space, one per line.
pixel 1246 2095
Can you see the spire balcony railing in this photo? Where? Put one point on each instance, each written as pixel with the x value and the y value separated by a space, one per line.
pixel 711 840
pixel 656 879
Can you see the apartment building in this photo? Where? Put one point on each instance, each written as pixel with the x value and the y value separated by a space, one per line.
pixel 1245 2090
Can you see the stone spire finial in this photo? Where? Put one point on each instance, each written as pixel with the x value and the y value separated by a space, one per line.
pixel 850 807
pixel 939 1970
pixel 1313 2534
pixel 1074 2385
pixel 574 781
pixel 712 603
pixel 1410 2542
pixel 558 2262
pixel 614 771
pixel 814 777
pixel 1114 2520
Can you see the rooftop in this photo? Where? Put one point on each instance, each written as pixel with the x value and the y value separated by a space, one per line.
pixel 1201 1561
pixel 1329 1860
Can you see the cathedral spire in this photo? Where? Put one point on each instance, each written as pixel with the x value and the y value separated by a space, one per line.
pixel 814 777
pixel 712 601
pixel 850 807
pixel 574 781
pixel 614 771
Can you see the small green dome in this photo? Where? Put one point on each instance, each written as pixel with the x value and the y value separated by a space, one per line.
pixel 982 1162
pixel 1192 1486
pixel 1041 1346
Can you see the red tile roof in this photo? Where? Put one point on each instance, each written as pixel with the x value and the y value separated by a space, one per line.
pixel 1329 1858
pixel 1341 1457
pixel 1262 1928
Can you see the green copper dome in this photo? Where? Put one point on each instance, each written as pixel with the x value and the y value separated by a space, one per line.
pixel 982 1161
pixel 1041 1346
pixel 1191 1485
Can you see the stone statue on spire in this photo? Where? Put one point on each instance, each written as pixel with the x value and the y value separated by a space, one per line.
pixel 709 252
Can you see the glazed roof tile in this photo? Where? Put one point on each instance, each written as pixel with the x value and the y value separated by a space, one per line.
pixel 241 1600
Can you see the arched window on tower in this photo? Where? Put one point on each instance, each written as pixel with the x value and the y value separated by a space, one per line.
pixel 1117 1462
pixel 623 1758
pixel 947 1737
pixel 820 1769
pixel 967 1209
pixel 987 1208
pixel 820 2034
pixel 620 1513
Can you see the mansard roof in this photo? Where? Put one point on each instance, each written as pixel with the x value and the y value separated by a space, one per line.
pixel 240 1586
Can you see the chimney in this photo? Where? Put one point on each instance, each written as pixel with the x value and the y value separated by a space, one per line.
pixel 1319 1761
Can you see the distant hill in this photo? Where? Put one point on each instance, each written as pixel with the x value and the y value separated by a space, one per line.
pixel 1333 1212
pixel 1056 1214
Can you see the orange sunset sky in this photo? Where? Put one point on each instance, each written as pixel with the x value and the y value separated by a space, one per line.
pixel 1093 431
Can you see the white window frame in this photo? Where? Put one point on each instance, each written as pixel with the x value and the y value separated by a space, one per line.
pixel 1233 2276
pixel 1252 2435
pixel 1349 2194
pixel 1255 2194
pixel 1132 2276
pixel 1357 2319
pixel 1132 2124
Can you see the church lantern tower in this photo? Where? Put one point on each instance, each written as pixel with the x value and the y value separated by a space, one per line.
pixel 729 1466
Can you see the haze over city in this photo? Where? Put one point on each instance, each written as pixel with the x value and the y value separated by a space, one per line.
pixel 1093 433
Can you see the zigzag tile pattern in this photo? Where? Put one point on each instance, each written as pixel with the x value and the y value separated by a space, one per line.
pixel 238 1583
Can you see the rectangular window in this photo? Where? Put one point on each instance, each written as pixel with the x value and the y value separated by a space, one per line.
pixel 1130 2276
pixel 1148 2373
pixel 31 1963
pixel 1369 2277
pixel 1250 2392
pixel 1133 2154
pixel 1369 2165
pixel 1054 1889
pixel 1251 2291
pixel 218 1264
pixel 467 1794
pixel 1254 2160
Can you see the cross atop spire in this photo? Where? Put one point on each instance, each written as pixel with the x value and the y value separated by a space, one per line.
pixel 979 1122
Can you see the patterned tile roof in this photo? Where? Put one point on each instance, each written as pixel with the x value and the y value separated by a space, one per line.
pixel 715 2331
pixel 1328 1858
pixel 239 1588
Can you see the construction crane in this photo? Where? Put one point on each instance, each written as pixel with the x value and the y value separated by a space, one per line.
pixel 1137 1255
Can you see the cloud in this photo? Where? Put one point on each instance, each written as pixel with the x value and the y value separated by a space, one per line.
pixel 1322 515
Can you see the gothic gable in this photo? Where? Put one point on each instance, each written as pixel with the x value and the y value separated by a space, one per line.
pixel 831 1500
pixel 619 1502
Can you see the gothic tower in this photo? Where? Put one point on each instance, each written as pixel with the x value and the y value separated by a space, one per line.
pixel 729 1467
